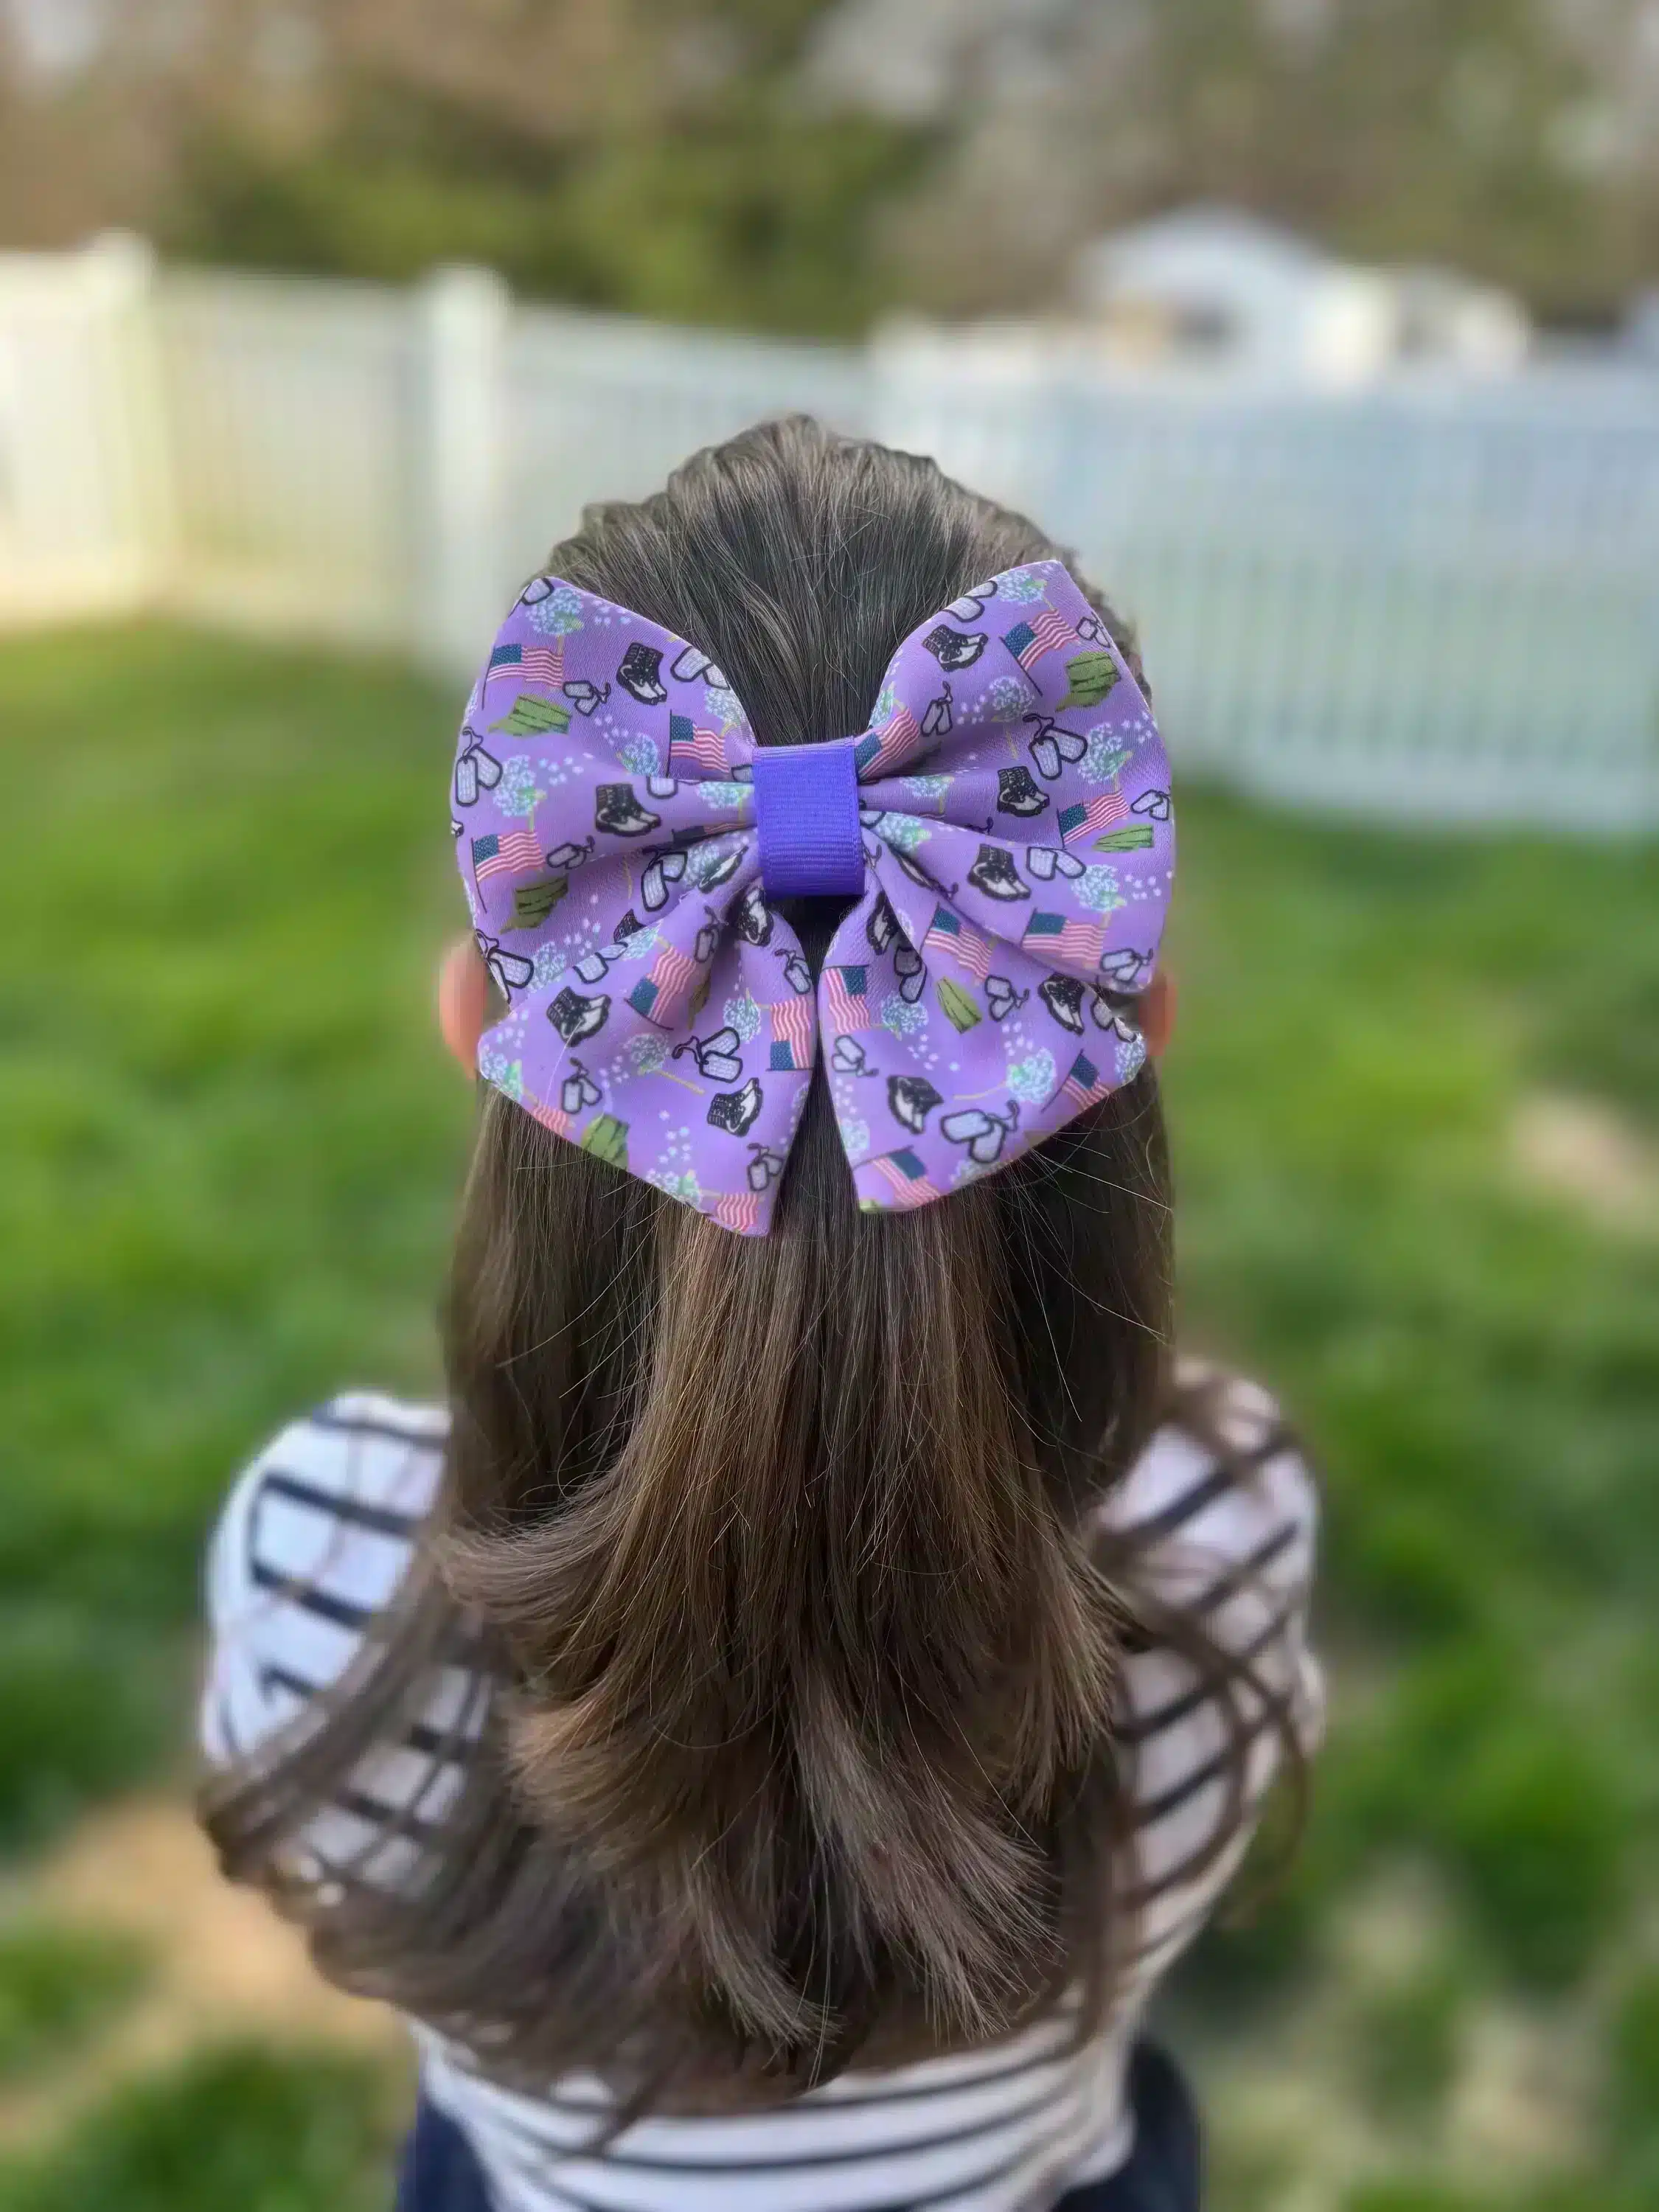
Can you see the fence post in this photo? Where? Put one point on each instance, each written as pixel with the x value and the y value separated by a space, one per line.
pixel 465 317
pixel 119 273
pixel 87 517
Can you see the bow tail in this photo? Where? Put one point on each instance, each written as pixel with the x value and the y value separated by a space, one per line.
pixel 681 1051
pixel 950 1051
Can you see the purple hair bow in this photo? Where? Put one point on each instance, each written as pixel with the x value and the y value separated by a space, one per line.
pixel 1005 826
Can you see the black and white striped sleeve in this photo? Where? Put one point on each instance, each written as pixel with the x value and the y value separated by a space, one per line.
pixel 1220 1523
pixel 314 1540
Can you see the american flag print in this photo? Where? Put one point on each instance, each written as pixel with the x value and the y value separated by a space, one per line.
pixel 494 855
pixel 551 1117
pixel 875 754
pixel 1049 936
pixel 1049 632
pixel 739 1210
pixel 906 1177
pixel 690 747
pixel 846 989
pixel 1092 814
pixel 1084 1085
pixel 541 664
pixel 960 941
pixel 661 995
pixel 791 1035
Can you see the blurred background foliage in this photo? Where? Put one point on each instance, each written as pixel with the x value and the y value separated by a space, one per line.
pixel 799 165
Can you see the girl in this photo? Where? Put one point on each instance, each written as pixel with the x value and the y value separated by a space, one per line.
pixel 773 1728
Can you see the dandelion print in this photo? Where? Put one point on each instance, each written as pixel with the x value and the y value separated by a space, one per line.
pixel 559 613
pixel 548 964
pixel 645 1054
pixel 899 1016
pixel 518 792
pixel 1008 696
pixel 1105 756
pixel 722 797
pixel 886 700
pixel 855 1138
pixel 705 861
pixel 1096 889
pixel 1022 586
pixel 639 754
pixel 1032 1080
pixel 686 1188
pixel 505 1074
pixel 901 831
pixel 723 704
pixel 743 1015
pixel 926 788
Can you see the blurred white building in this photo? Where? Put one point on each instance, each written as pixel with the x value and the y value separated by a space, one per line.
pixel 1215 286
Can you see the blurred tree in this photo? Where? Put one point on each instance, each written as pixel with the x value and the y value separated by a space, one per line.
pixel 737 214
pixel 650 156
pixel 799 164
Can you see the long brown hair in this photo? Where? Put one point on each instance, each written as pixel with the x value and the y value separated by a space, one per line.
pixel 774 1555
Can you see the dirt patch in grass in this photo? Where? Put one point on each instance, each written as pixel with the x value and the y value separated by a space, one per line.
pixel 1589 1154
pixel 223 1963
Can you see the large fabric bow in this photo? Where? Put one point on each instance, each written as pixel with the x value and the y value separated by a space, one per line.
pixel 1006 823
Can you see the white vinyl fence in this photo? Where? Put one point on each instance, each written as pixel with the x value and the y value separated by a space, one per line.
pixel 1422 598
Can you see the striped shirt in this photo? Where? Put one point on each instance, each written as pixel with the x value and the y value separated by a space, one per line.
pixel 316 1538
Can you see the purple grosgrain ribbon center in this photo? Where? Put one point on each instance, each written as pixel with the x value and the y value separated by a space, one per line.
pixel 807 820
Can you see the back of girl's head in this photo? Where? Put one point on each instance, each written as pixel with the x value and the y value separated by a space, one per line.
pixel 779 1543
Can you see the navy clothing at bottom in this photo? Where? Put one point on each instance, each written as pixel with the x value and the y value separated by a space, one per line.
pixel 441 2174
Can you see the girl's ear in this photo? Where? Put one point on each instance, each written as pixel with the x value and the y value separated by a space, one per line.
pixel 1157 1013
pixel 463 1002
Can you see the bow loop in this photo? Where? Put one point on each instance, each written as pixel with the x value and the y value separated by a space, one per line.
pixel 1010 822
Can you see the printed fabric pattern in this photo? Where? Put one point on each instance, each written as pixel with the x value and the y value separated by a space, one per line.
pixel 1019 843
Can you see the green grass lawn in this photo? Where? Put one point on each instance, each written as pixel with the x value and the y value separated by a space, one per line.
pixel 231 1147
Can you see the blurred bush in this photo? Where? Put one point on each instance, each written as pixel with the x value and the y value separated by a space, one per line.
pixel 241 2130
pixel 86 1711
pixel 1408 2032
pixel 1533 1822
pixel 58 1987
pixel 1633 2084
pixel 752 216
